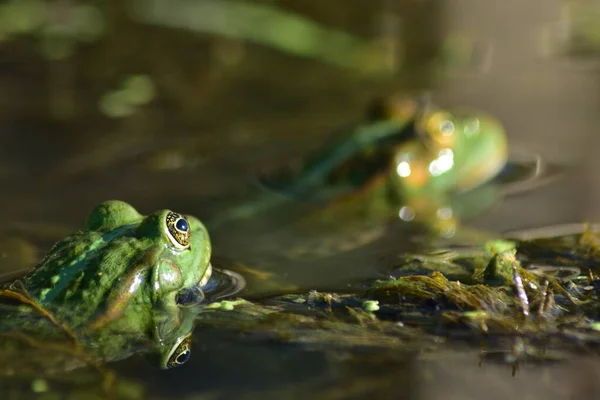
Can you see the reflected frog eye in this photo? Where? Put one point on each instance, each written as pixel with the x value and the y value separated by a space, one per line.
pixel 178 230
pixel 181 353
pixel 183 357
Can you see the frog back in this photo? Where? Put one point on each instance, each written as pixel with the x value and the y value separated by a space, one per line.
pixel 80 272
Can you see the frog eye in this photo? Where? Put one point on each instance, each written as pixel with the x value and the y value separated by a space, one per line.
pixel 178 230
pixel 440 127
pixel 181 353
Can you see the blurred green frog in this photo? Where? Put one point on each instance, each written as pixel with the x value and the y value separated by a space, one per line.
pixel 124 283
pixel 408 159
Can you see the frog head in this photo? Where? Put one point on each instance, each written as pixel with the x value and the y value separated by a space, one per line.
pixel 172 251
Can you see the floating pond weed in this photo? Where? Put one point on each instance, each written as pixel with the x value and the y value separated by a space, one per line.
pixel 135 91
pixel 57 26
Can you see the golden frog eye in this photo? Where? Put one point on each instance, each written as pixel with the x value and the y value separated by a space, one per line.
pixel 181 353
pixel 178 230
pixel 439 126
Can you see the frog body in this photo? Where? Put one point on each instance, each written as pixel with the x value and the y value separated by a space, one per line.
pixel 125 279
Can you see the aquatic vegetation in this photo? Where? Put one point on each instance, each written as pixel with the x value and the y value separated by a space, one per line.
pixel 499 298
pixel 267 25
pixel 462 54
pixel 135 91
pixel 44 348
pixel 574 33
pixel 497 293
pixel 59 26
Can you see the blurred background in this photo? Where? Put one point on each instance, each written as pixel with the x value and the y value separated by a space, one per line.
pixel 159 101
pixel 176 103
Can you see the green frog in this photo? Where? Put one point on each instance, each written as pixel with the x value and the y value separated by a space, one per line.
pixel 408 159
pixel 124 282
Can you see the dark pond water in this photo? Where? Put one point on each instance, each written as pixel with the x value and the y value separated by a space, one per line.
pixel 226 107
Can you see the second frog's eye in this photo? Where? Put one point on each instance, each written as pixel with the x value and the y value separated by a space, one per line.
pixel 178 230
pixel 439 126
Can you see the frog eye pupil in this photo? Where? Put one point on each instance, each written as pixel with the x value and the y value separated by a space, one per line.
pixel 183 357
pixel 182 225
pixel 178 230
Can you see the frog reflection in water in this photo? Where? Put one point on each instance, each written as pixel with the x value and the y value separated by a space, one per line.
pixel 407 160
pixel 125 282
